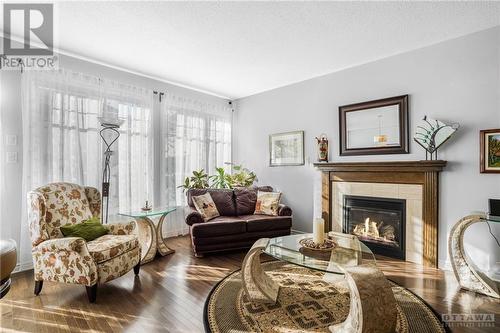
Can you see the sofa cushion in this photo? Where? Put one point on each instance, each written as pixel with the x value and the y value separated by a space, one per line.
pixel 223 199
pixel 246 198
pixel 215 244
pixel 220 226
pixel 205 206
pixel 110 246
pixel 266 223
pixel 267 203
pixel 228 240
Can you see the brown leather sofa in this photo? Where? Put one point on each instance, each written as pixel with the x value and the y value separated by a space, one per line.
pixel 237 227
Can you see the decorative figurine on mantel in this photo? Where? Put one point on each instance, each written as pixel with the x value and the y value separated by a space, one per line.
pixel 322 142
pixel 146 207
pixel 432 133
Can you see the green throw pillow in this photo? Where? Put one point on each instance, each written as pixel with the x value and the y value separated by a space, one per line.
pixel 88 230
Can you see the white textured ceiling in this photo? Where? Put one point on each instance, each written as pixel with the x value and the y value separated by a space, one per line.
pixel 236 49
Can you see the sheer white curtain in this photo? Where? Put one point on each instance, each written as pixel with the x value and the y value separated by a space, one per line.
pixel 195 135
pixel 61 139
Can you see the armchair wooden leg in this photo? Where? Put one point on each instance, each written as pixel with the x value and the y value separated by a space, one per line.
pixel 137 268
pixel 92 293
pixel 38 287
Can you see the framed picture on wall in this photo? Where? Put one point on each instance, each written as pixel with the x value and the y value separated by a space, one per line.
pixel 375 127
pixel 286 149
pixel 490 150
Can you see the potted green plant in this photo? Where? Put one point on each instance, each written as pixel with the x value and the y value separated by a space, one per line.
pixel 199 179
pixel 240 177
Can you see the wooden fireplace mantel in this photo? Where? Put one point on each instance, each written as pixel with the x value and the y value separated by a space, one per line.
pixel 425 173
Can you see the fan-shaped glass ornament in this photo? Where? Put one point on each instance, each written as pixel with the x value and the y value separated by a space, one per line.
pixel 432 133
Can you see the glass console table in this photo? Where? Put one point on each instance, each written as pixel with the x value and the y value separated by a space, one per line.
pixel 371 296
pixel 467 273
pixel 150 234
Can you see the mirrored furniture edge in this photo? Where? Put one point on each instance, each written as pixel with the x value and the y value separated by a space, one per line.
pixel 150 232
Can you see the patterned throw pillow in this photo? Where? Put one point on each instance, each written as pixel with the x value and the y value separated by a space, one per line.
pixel 267 203
pixel 205 205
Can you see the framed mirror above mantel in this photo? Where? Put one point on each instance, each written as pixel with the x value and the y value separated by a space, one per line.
pixel 375 127
pixel 413 180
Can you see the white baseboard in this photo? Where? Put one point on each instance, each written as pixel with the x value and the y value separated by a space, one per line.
pixel 296 232
pixel 21 267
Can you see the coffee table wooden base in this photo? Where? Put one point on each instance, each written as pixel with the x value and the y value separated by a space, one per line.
pixel 257 284
pixel 151 239
pixel 372 305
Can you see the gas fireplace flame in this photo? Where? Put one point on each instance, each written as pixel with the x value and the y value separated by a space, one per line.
pixel 375 231
pixel 370 228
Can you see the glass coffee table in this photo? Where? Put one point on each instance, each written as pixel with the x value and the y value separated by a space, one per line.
pixel 150 234
pixel 371 296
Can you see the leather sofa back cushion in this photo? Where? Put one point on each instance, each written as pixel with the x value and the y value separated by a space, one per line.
pixel 247 197
pixel 222 198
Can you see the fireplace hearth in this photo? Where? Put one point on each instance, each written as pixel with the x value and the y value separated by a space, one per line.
pixel 377 222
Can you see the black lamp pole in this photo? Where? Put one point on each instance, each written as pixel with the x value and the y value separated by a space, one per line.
pixel 106 174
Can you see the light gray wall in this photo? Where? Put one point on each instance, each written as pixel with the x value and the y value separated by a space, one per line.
pixel 10 107
pixel 457 80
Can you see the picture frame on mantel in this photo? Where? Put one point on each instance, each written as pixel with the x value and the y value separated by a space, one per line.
pixel 375 127
pixel 286 149
pixel 490 150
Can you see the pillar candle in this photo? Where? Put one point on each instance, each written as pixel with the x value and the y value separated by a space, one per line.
pixel 319 231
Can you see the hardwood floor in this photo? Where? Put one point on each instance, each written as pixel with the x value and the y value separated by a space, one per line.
pixel 169 294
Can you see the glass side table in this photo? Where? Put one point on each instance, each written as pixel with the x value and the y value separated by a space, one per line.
pixel 469 276
pixel 150 234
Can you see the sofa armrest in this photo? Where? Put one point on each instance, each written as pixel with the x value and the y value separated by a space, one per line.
pixel 125 228
pixel 76 244
pixel 284 210
pixel 64 260
pixel 191 216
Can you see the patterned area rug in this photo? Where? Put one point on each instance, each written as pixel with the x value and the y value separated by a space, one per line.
pixel 306 303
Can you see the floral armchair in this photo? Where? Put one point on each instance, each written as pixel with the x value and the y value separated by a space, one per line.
pixel 72 259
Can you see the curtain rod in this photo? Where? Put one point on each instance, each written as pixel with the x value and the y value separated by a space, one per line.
pixel 161 94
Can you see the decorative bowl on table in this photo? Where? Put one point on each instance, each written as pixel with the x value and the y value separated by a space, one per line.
pixel 309 244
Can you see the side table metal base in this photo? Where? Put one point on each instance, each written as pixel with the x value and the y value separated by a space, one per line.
pixel 465 271
pixel 151 239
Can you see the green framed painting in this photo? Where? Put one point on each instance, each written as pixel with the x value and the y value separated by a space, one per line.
pixel 490 150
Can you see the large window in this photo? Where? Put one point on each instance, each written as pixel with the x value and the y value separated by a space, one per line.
pixel 62 135
pixel 195 136
pixel 61 139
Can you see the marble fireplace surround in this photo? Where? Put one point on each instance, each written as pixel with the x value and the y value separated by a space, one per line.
pixel 411 193
pixel 415 181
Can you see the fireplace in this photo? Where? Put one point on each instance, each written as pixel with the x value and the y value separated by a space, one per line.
pixel 378 222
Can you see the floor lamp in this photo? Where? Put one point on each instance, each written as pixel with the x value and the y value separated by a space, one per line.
pixel 110 131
